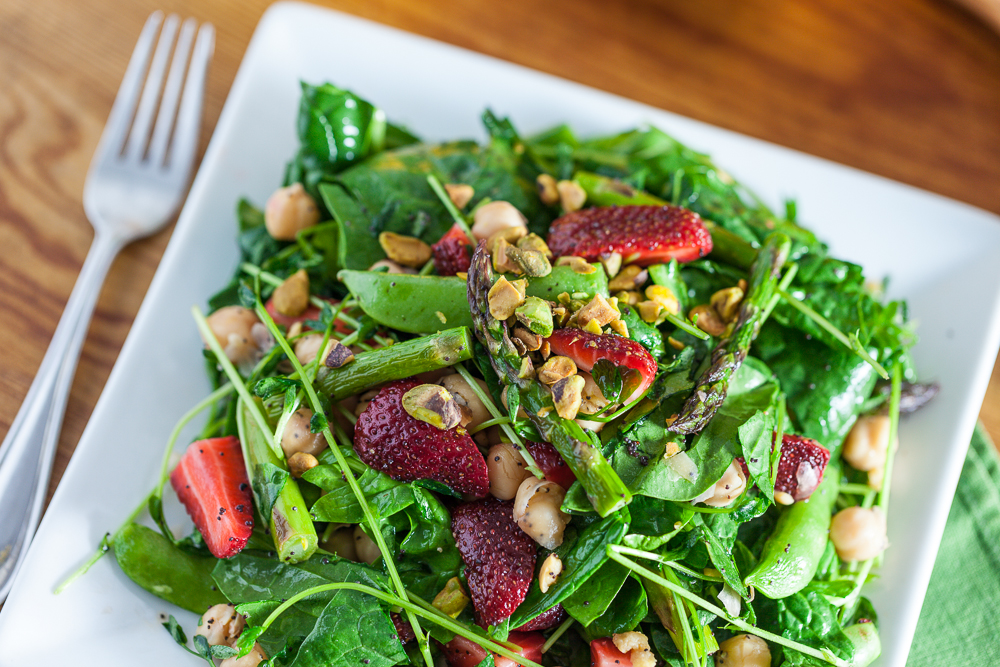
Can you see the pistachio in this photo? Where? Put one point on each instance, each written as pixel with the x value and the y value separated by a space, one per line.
pixel 545 350
pixel 494 216
pixel 555 369
pixel 592 326
pixel 527 369
pixel 291 297
pixel 299 462
pixel 433 404
pixel 505 296
pixel 406 250
pixel 628 297
pixel 506 258
pixel 674 343
pixel 571 195
pixel 726 303
pixel 547 190
pixel 536 314
pixel 531 341
pixel 567 395
pixel 337 355
pixel 783 498
pixel 532 262
pixel 592 400
pixel 534 242
pixel 598 310
pixel 619 327
pixel 628 278
pixel 549 574
pixel 390 267
pixel 612 263
pixel 578 264
pixel 706 319
pixel 509 234
pixel 460 194
pixel 560 315
pixel 452 599
pixel 649 311
pixel 665 297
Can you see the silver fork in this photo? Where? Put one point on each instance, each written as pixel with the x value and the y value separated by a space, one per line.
pixel 136 182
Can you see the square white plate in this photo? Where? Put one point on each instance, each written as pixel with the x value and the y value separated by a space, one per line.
pixel 941 254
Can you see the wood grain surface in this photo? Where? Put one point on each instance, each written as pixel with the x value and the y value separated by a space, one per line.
pixel 908 89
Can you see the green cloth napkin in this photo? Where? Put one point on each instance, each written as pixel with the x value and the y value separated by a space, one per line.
pixel 961 613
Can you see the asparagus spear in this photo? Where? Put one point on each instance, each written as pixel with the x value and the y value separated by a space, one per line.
pixel 398 361
pixel 728 356
pixel 604 488
pixel 294 534
pixel 604 191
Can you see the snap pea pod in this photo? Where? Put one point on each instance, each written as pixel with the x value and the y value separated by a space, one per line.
pixel 294 535
pixel 152 561
pixel 605 191
pixel 396 362
pixel 793 551
pixel 604 487
pixel 427 304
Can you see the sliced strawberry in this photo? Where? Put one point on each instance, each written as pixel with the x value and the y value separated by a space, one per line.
pixel 604 653
pixel 312 313
pixel 551 463
pixel 586 349
pixel 547 619
pixel 462 652
pixel 211 481
pixel 640 234
pixel 499 557
pixel 387 438
pixel 451 253
pixel 800 470
pixel 403 628
pixel 530 644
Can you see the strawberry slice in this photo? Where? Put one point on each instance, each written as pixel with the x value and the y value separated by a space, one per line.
pixel 451 253
pixel 549 618
pixel 800 470
pixel 387 438
pixel 499 557
pixel 462 652
pixel 604 653
pixel 642 235
pixel 586 349
pixel 551 463
pixel 211 481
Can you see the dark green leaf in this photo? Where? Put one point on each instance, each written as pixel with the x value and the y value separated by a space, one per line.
pixel 268 480
pixel 609 380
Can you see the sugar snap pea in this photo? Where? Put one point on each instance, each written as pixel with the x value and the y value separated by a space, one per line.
pixel 150 560
pixel 426 304
pixel 793 551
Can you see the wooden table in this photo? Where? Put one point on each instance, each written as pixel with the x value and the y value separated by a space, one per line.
pixel 908 89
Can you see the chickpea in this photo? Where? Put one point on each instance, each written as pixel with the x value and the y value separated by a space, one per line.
pixel 537 511
pixel 367 550
pixel 221 625
pixel 507 469
pixel 233 328
pixel 858 533
pixel 391 267
pixel 288 211
pixel 471 406
pixel 341 542
pixel 298 438
pixel 743 651
pixel 251 659
pixel 867 443
pixel 307 347
pixel 730 487
pixel 491 218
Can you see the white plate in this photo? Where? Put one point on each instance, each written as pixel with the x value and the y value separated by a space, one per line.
pixel 941 255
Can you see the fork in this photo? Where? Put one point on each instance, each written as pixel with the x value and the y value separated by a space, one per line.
pixel 136 182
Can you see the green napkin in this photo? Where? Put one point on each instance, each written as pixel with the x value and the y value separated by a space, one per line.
pixel 961 613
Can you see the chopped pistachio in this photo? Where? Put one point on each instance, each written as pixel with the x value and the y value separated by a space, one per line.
pixel 578 264
pixel 706 319
pixel 452 599
pixel 534 242
pixel 619 327
pixel 665 297
pixel 406 250
pixel 509 234
pixel 612 262
pixel 593 326
pixel 300 462
pixel 545 350
pixel 571 195
pixel 460 194
pixel 433 404
pixel 505 296
pixel 536 314
pixel 597 310
pixel 441 316
pixel 555 369
pixel 291 297
pixel 531 341
pixel 505 258
pixel 527 369
pixel 674 343
pixel 532 262
pixel 567 395
pixel 549 574
pixel 629 278
pixel 649 311
pixel 726 303
pixel 337 355
pixel 547 190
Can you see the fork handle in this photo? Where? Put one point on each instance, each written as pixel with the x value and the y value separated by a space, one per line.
pixel 29 446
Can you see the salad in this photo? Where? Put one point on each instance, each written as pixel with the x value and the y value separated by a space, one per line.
pixel 545 400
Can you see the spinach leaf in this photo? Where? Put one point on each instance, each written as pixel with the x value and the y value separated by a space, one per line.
pixel 808 618
pixel 643 333
pixel 630 607
pixel 352 629
pixel 595 595
pixel 756 436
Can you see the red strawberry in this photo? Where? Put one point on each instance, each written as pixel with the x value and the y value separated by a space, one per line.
pixel 604 653
pixel 641 234
pixel 800 470
pixel 531 644
pixel 451 253
pixel 551 463
pixel 211 481
pixel 499 557
pixel 586 349
pixel 387 438
pixel 462 652
pixel 312 313
pixel 403 628
pixel 547 619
